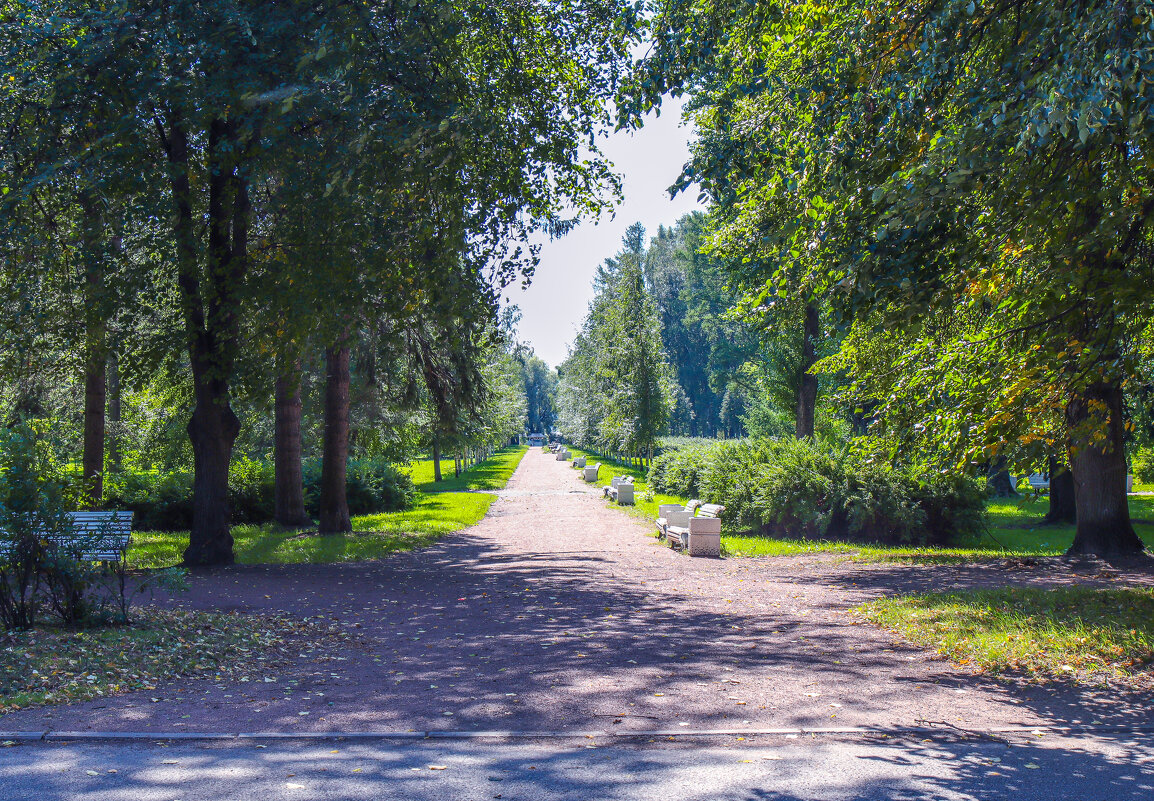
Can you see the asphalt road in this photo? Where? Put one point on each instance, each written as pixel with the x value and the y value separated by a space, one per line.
pixel 1021 768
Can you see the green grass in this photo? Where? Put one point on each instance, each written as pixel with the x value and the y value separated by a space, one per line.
pixel 51 665
pixel 1078 633
pixel 491 474
pixel 441 508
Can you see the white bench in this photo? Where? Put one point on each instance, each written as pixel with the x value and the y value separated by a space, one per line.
pixel 562 454
pixel 95 537
pixel 696 528
pixel 620 489
pixel 1039 482
pixel 590 473
pixel 579 461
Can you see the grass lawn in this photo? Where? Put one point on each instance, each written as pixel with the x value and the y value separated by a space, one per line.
pixel 1015 529
pixel 1078 633
pixel 51 665
pixel 441 508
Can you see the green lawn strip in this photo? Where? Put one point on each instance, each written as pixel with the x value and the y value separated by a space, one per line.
pixel 491 474
pixel 436 512
pixel 50 665
pixel 1079 633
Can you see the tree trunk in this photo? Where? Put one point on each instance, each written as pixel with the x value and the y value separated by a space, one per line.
pixel 807 385
pixel 114 456
pixel 334 501
pixel 289 498
pixel 1099 470
pixel 210 306
pixel 999 481
pixel 95 394
pixel 213 430
pixel 436 459
pixel 95 355
pixel 1063 507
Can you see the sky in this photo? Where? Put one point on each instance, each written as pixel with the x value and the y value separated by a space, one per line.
pixel 649 161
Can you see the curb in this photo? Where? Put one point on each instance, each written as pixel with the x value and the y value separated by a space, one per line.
pixel 137 737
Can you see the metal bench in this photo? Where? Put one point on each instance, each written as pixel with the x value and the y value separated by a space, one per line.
pixel 695 529
pixel 95 537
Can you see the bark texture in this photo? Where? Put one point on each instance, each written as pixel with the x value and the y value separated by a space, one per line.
pixel 334 502
pixel 807 383
pixel 1063 504
pixel 289 497
pixel 95 355
pixel 1099 471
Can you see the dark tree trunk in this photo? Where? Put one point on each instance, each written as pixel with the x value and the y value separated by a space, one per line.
pixel 95 394
pixel 1063 504
pixel 1099 471
pixel 289 497
pixel 213 430
pixel 210 305
pixel 436 459
pixel 114 457
pixel 334 502
pixel 999 481
pixel 807 385
pixel 95 355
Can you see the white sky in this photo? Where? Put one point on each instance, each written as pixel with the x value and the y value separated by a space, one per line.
pixel 650 161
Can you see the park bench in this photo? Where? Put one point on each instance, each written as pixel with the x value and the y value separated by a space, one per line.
pixel 619 489
pixel 590 472
pixel 579 461
pixel 95 537
pixel 695 529
pixel 562 454
pixel 1039 482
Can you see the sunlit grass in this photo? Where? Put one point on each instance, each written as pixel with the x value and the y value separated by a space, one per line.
pixel 491 474
pixel 438 510
pixel 1078 633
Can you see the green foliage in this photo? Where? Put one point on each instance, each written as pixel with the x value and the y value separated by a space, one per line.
pixel 615 392
pixel 1142 465
pixel 162 501
pixel 799 488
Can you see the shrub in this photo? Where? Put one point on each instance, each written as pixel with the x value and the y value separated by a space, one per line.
pixel 799 488
pixel 163 501
pixel 1142 465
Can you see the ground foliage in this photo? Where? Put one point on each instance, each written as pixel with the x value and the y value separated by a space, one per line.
pixel 48 665
pixel 1075 633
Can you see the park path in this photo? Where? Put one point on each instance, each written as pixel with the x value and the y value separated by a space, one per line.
pixel 558 613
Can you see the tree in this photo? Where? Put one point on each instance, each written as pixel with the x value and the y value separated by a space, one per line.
pixel 971 175
pixel 207 110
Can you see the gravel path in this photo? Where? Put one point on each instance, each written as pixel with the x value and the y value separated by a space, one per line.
pixel 557 612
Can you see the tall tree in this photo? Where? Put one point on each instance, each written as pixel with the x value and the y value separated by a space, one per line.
pixel 968 174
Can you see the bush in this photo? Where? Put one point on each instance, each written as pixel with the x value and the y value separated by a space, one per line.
pixel 163 501
pixel 373 486
pixel 799 488
pixel 39 546
pixel 1142 465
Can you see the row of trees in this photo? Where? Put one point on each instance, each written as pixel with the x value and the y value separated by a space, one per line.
pixel 669 347
pixel 222 196
pixel 963 188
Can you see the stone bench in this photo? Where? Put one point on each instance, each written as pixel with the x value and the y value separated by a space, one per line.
pixel 696 528
pixel 590 473
pixel 619 489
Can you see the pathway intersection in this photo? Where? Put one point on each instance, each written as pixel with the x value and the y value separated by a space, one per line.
pixel 559 614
